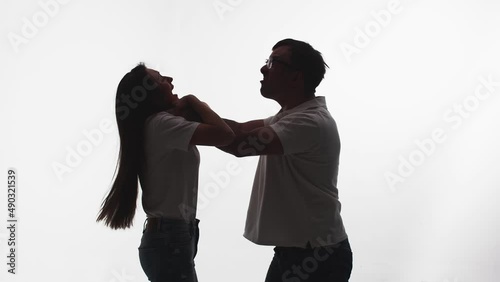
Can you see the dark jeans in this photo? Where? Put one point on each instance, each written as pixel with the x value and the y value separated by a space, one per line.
pixel 167 252
pixel 320 264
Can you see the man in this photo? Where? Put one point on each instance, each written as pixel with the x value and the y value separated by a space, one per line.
pixel 294 203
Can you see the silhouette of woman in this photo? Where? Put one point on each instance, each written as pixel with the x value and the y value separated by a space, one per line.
pixel 158 133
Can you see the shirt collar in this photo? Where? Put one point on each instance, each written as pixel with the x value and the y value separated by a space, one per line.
pixel 317 102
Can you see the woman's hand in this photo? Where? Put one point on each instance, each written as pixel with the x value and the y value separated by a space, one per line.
pixel 185 107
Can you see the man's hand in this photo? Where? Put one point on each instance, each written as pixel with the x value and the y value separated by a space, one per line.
pixel 184 107
pixel 252 138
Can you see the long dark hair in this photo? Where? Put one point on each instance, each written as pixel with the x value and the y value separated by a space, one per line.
pixel 137 97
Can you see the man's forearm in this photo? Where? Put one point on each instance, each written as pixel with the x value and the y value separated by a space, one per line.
pixel 244 127
pixel 236 127
pixel 240 147
pixel 241 142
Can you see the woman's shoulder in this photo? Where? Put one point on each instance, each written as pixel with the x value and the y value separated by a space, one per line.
pixel 162 114
pixel 160 117
pixel 167 121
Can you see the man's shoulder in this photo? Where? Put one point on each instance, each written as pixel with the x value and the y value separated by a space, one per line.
pixel 316 114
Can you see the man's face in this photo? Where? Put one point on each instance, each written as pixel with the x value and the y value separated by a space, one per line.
pixel 277 79
pixel 165 85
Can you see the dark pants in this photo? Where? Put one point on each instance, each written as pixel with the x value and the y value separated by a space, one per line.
pixel 167 252
pixel 321 264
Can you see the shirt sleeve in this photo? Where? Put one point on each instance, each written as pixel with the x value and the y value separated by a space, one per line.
pixel 172 131
pixel 298 132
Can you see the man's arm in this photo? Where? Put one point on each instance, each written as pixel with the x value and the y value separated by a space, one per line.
pixel 244 127
pixel 252 138
pixel 212 130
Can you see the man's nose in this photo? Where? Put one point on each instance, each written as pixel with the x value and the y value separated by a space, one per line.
pixel 264 69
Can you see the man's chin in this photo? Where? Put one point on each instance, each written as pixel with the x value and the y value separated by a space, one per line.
pixel 263 93
pixel 266 95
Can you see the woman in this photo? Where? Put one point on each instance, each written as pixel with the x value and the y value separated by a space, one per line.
pixel 158 133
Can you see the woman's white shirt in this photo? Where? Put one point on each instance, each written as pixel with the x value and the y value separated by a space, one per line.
pixel 169 174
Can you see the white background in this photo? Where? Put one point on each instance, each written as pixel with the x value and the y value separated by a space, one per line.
pixel 403 79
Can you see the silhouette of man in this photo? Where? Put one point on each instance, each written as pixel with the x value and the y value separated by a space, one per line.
pixel 294 204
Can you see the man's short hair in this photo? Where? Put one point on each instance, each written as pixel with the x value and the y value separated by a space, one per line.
pixel 307 60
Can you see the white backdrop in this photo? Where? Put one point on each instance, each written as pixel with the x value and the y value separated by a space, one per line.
pixel 414 86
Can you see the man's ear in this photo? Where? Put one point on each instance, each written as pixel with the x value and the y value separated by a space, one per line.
pixel 298 79
pixel 298 76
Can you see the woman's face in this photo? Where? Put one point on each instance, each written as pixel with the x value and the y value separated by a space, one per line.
pixel 165 85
